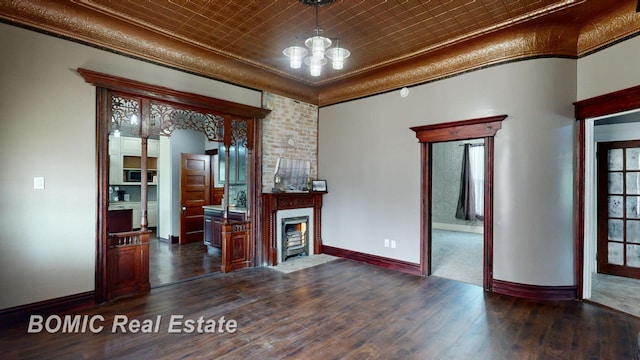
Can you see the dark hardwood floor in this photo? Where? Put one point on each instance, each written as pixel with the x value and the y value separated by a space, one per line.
pixel 171 263
pixel 341 310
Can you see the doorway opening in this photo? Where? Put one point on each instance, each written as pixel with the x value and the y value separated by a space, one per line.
pixel 457 228
pixel 428 135
pixel 611 240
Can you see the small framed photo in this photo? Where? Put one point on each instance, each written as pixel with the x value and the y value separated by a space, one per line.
pixel 319 185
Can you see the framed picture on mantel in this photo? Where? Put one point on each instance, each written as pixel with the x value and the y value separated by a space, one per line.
pixel 319 185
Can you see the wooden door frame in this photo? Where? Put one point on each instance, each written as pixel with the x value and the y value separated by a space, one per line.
pixel 105 83
pixel 485 128
pixel 598 106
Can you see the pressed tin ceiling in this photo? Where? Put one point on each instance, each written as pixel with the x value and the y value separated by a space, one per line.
pixel 376 32
pixel 242 41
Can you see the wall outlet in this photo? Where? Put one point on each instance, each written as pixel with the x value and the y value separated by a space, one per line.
pixel 38 183
pixel 386 242
pixel 393 244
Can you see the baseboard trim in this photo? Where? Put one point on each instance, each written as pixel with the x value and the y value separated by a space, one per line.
pixel 535 292
pixel 387 263
pixel 20 314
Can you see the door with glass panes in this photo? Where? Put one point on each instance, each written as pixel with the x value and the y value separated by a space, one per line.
pixel 619 208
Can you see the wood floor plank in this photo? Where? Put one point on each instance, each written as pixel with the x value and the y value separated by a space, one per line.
pixel 340 310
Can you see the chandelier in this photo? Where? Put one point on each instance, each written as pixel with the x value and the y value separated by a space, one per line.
pixel 319 46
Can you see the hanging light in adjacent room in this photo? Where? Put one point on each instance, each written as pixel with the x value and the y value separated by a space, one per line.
pixel 319 45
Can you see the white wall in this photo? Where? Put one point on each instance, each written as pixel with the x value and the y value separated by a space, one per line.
pixel 47 237
pixel 614 68
pixel 371 160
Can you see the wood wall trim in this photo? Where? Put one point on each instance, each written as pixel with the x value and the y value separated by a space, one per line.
pixel 489 155
pixel 177 97
pixel 387 263
pixel 460 130
pixel 535 292
pixel 485 128
pixel 62 305
pixel 607 104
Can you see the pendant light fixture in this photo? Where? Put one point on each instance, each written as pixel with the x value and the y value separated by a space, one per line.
pixel 319 46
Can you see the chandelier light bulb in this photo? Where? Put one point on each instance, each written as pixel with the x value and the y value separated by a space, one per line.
pixel 315 65
pixel 337 55
pixel 317 44
pixel 296 54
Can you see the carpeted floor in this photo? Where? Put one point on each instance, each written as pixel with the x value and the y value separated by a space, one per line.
pixel 616 292
pixel 457 256
pixel 302 262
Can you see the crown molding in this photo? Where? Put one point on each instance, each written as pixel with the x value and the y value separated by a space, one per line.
pixel 96 29
pixel 607 26
pixel 576 31
pixel 516 43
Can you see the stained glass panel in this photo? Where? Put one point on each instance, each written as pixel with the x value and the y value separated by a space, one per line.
pixel 615 230
pixel 633 183
pixel 615 206
pixel 633 255
pixel 615 159
pixel 633 231
pixel 615 183
pixel 633 207
pixel 633 159
pixel 615 254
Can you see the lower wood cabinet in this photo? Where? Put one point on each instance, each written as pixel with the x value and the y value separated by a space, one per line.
pixel 127 264
pixel 213 221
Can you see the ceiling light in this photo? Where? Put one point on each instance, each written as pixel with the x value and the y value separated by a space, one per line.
pixel 319 45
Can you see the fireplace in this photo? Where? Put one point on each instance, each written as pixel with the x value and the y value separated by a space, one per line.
pixel 280 206
pixel 295 237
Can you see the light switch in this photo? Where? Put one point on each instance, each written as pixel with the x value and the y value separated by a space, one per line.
pixel 38 183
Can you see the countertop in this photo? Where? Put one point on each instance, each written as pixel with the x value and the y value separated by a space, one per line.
pixel 233 209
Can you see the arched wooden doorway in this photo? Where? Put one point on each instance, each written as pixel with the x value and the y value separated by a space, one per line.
pixel 460 130
pixel 223 121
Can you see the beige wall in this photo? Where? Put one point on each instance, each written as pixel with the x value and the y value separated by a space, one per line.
pixel 371 160
pixel 47 237
pixel 614 68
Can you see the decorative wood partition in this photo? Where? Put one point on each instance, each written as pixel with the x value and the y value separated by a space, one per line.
pixel 237 249
pixel 127 263
pixel 118 265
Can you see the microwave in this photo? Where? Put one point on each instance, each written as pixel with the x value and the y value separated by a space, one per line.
pixel 136 176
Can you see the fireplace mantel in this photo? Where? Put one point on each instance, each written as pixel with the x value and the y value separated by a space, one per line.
pixel 272 203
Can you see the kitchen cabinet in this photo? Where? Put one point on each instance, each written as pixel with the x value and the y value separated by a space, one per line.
pixel 131 172
pixel 136 216
pixel 133 146
pixel 213 220
pixel 125 161
pixel 236 169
